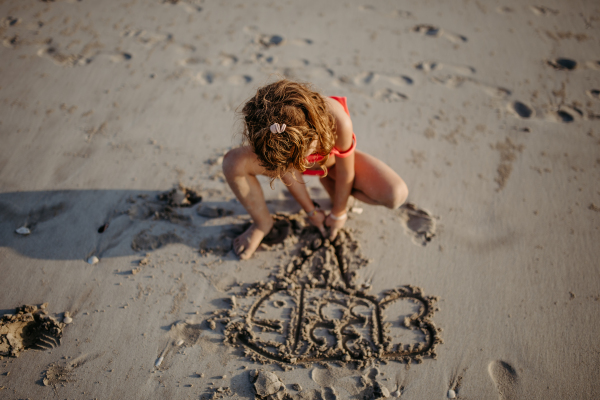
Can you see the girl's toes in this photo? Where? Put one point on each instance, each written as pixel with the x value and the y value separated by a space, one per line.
pixel 244 255
pixel 238 248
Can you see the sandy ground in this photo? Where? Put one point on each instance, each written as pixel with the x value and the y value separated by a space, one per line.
pixel 489 110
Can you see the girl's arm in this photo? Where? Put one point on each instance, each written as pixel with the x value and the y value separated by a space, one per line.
pixel 297 188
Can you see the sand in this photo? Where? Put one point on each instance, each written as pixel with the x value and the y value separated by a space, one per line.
pixel 114 121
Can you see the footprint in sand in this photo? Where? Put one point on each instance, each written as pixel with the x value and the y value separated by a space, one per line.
pixel 31 327
pixel 389 96
pixel 593 94
pixel 366 78
pixel 505 378
pixel 120 57
pixel 495 91
pixel 181 334
pixel 567 64
pixel 204 78
pixel 192 61
pixel 595 65
pixel 7 22
pixel 543 11
pixel 147 39
pixel 11 42
pixel 434 31
pixel 401 14
pixel 504 10
pixel 270 40
pixel 60 58
pixel 562 64
pixel 239 79
pixel 366 7
pixel 520 109
pixel 428 66
pixel 402 80
pixel 566 114
pixel 459 75
pixel 369 77
pixel 62 372
pixel 227 60
pixel 302 42
pixel 417 223
pixel 450 81
pixel 188 7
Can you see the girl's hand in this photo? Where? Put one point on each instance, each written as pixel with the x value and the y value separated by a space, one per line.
pixel 335 224
pixel 317 218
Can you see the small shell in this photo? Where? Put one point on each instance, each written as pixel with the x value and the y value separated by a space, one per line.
pixel 67 319
pixel 179 342
pixel 159 361
pixel 451 394
pixel 23 231
pixel 93 260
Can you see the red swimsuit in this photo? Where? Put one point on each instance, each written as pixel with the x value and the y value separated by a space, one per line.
pixel 314 158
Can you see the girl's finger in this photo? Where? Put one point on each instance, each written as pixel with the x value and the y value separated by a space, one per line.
pixel 323 232
pixel 333 233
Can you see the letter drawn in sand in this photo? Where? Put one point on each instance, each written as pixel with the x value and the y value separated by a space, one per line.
pixel 314 312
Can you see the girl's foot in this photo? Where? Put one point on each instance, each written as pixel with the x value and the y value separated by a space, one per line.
pixel 246 244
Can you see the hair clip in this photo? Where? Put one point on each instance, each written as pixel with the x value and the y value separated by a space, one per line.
pixel 276 128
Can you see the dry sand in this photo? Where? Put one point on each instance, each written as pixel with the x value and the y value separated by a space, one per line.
pixel 489 110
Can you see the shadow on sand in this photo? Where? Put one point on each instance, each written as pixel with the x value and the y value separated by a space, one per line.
pixel 76 224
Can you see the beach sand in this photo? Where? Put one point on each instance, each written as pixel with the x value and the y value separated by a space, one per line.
pixel 115 116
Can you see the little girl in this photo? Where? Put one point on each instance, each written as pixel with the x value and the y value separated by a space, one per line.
pixel 290 130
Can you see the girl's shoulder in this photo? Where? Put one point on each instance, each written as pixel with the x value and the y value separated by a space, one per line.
pixel 343 124
pixel 336 105
pixel 339 112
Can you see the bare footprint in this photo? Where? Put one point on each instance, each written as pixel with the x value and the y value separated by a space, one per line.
pixel 389 96
pixel 505 378
pixel 366 78
pixel 417 223
pixel 239 79
pixel 562 64
pixel 204 78
pixel 450 81
pixel 434 31
pixel 401 80
pixel 428 66
pixel 593 94
pixel 270 40
pixel 543 11
pixel 520 109
pixel 505 10
pixel 595 65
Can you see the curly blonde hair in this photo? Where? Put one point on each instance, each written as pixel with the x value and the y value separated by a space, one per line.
pixel 306 116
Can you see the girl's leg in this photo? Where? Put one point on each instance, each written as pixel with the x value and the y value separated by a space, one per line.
pixel 374 182
pixel 238 166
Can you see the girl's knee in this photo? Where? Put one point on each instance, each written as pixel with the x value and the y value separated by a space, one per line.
pixel 398 196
